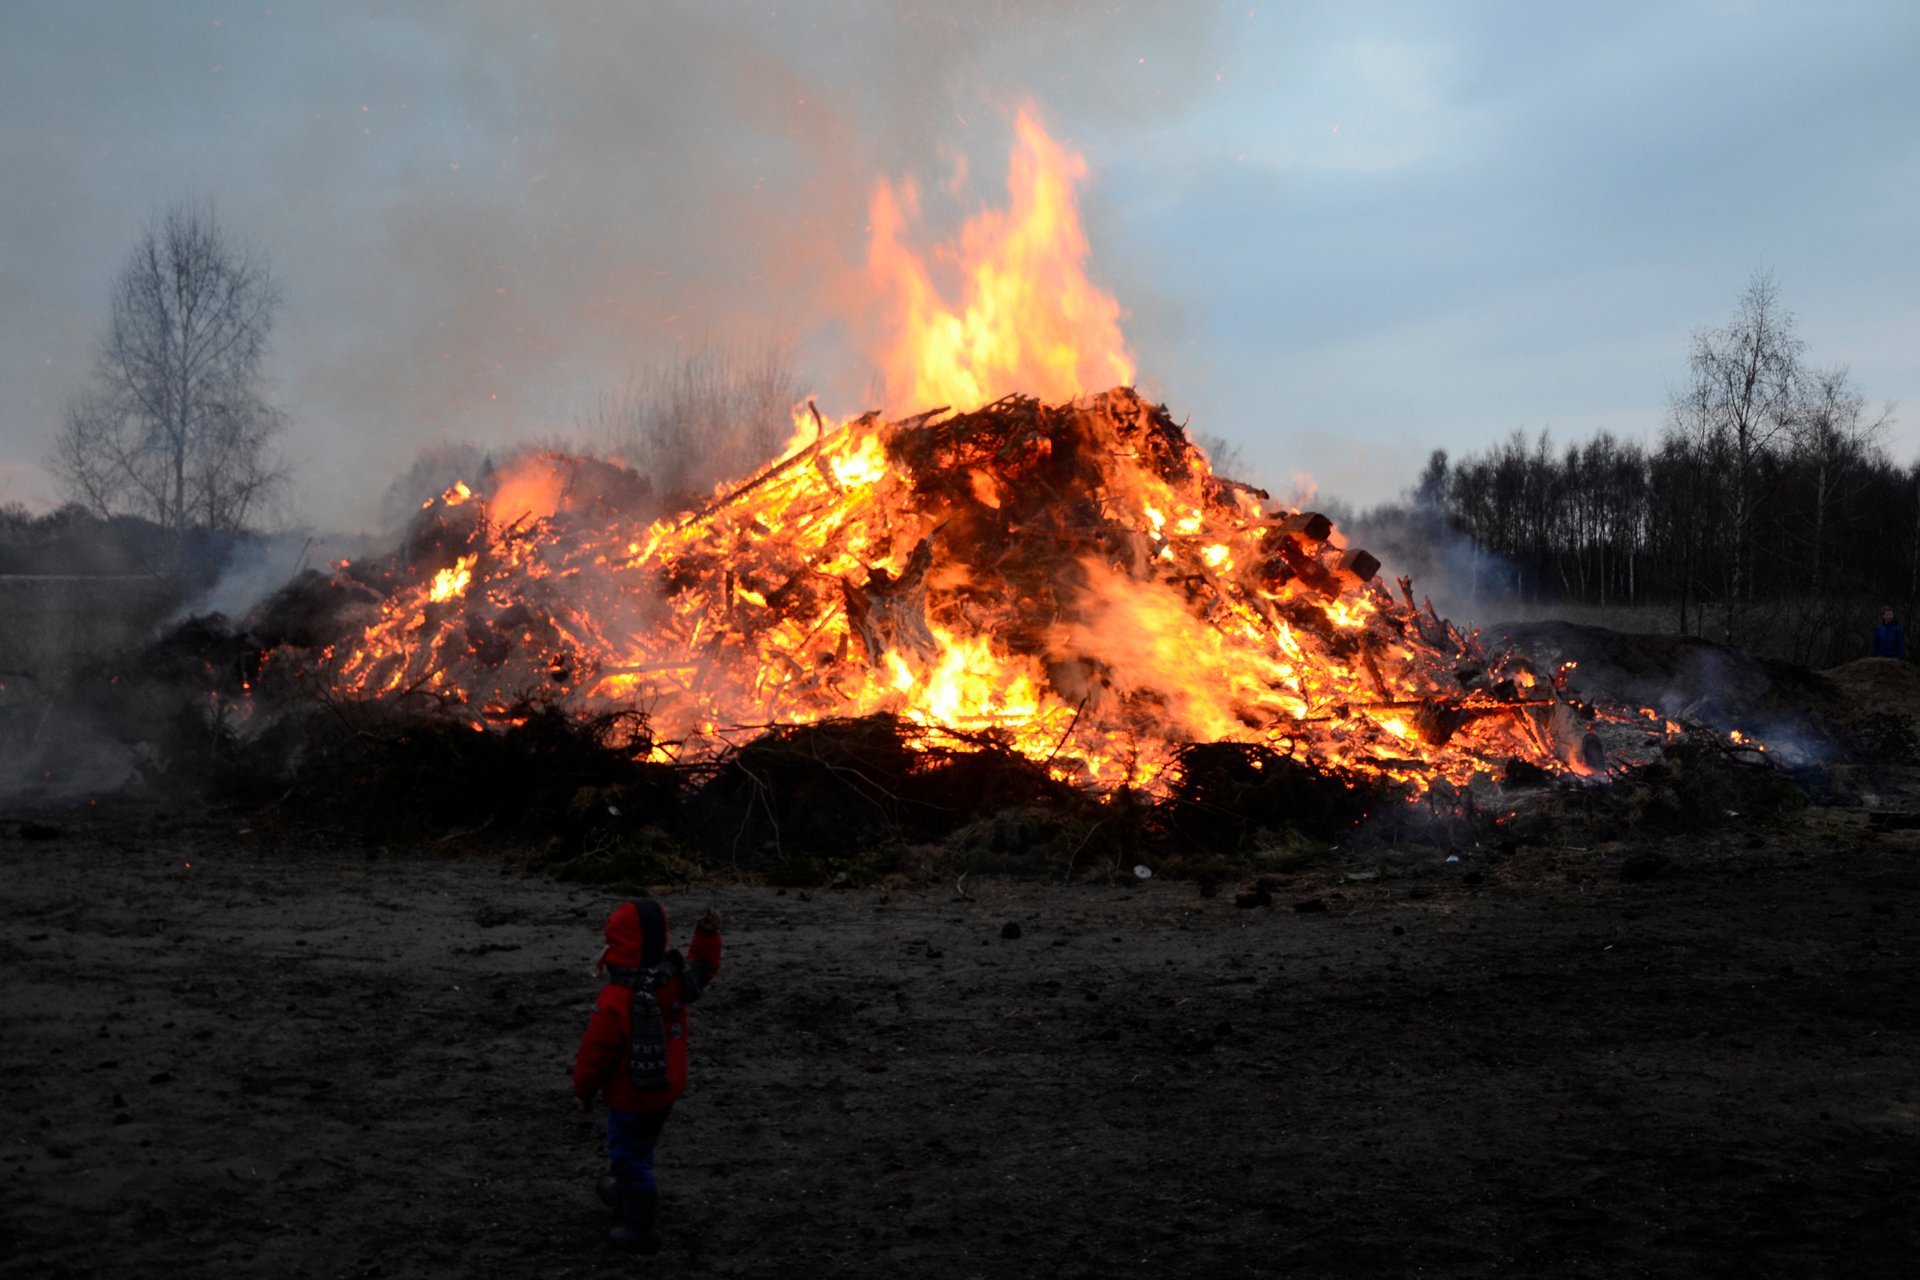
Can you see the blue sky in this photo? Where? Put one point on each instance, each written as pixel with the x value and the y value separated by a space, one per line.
pixel 1345 234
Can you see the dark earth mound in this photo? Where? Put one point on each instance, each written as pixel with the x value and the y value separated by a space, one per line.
pixel 1691 680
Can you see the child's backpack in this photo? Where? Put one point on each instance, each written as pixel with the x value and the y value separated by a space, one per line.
pixel 647 1046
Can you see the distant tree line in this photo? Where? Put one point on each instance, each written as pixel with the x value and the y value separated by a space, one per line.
pixel 1767 512
pixel 72 540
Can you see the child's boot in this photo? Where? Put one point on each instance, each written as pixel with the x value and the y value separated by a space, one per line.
pixel 640 1207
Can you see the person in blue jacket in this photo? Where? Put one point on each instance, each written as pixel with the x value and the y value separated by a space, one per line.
pixel 1889 641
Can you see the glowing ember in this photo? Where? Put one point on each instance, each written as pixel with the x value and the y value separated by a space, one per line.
pixel 450 584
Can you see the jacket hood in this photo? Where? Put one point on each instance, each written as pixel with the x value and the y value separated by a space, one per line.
pixel 636 934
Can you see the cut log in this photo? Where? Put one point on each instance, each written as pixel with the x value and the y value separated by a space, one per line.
pixel 1362 565
pixel 891 613
pixel 1437 722
pixel 1310 525
pixel 1307 567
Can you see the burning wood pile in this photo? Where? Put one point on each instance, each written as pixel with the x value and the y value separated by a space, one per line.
pixel 1070 582
pixel 1046 577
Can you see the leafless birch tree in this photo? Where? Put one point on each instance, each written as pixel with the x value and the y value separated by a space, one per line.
pixel 1745 389
pixel 174 425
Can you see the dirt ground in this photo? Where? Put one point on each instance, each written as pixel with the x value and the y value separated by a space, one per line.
pixel 233 1052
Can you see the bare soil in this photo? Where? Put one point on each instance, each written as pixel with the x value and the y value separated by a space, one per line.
pixel 228 1051
pixel 1887 685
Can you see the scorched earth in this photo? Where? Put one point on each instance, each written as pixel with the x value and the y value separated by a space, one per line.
pixel 239 1048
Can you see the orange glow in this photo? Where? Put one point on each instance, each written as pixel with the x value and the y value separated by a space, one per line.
pixel 451 584
pixel 531 490
pixel 1026 319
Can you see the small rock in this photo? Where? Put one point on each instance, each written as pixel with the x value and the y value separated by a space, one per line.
pixel 1010 930
pixel 38 831
pixel 1310 905
pixel 1254 898
pixel 1399 931
pixel 160 1077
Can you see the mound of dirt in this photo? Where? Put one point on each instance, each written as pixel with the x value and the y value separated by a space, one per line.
pixel 1883 699
pixel 1878 686
pixel 1692 680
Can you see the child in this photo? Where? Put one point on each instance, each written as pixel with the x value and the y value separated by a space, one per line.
pixel 1888 642
pixel 645 981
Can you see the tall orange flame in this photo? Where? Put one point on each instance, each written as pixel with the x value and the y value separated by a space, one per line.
pixel 1027 320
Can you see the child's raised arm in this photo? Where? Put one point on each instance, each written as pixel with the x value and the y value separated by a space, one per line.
pixel 704 954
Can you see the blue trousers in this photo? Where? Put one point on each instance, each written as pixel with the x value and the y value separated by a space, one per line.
pixel 631 1137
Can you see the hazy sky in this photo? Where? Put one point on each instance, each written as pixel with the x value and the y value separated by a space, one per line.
pixel 1345 233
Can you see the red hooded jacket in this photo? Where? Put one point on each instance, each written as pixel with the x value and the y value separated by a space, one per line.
pixel 601 1064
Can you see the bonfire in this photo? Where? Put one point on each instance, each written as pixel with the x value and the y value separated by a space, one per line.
pixel 1072 580
pixel 1029 566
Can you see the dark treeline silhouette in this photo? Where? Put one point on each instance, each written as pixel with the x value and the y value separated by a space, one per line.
pixel 1766 513
pixel 71 541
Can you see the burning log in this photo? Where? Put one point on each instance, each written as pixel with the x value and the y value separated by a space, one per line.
pixel 890 613
pixel 1304 565
pixel 1359 565
pixel 1310 525
pixel 1437 722
pixel 785 465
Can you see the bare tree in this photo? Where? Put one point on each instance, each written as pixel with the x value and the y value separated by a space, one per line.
pixel 1430 491
pixel 1835 444
pixel 711 416
pixel 1225 456
pixel 174 425
pixel 1746 382
pixel 1683 481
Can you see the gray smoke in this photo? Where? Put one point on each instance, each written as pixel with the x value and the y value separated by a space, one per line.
pixel 1468 585
pixel 657 180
